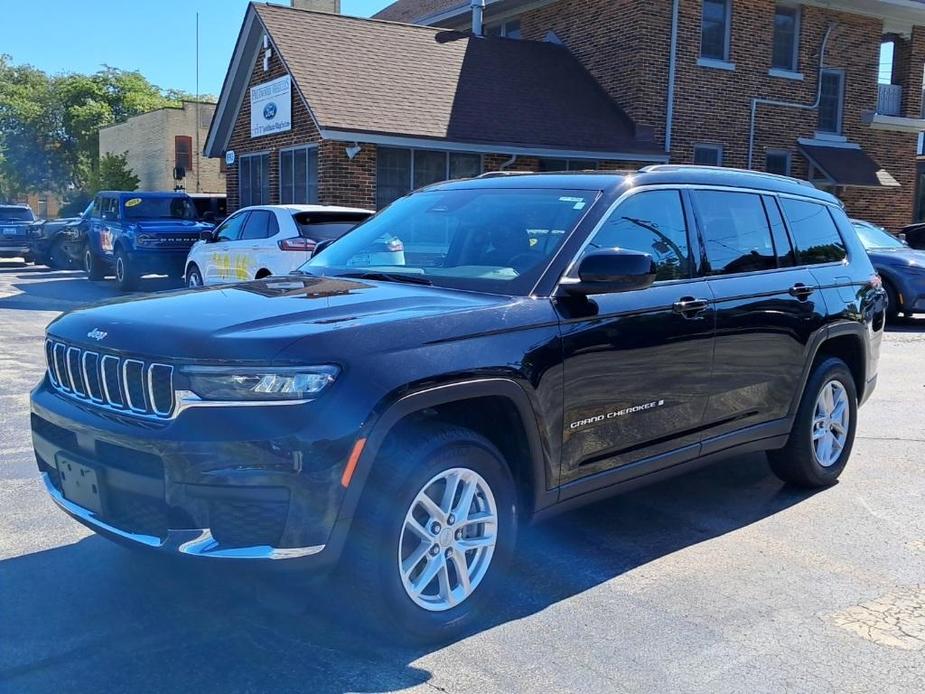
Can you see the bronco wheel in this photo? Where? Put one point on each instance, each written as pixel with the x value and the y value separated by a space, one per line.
pixel 92 266
pixel 193 277
pixel 126 277
pixel 434 532
pixel 823 431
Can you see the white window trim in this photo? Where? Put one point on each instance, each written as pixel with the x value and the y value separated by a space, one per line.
pixel 279 182
pixel 840 125
pixel 727 42
pixel 710 146
pixel 794 68
pixel 786 153
pixel 786 74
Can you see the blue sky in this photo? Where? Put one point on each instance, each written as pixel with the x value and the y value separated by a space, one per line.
pixel 156 37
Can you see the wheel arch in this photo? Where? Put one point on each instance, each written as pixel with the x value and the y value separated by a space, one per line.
pixel 262 273
pixel 846 341
pixel 496 408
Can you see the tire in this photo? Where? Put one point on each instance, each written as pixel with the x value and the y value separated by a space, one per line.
pixel 380 534
pixel 892 309
pixel 58 259
pixel 95 270
pixel 193 277
pixel 28 259
pixel 800 461
pixel 126 277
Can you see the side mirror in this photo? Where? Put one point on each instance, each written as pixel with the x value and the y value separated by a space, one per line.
pixel 208 235
pixel 321 245
pixel 611 271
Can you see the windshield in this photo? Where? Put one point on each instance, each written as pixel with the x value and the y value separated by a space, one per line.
pixel 494 240
pixel 16 214
pixel 877 237
pixel 159 208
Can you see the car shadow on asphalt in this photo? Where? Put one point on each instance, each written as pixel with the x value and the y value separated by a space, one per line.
pixel 916 324
pixel 42 288
pixel 112 619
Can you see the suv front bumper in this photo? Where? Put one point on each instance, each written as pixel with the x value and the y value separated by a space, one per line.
pixel 211 484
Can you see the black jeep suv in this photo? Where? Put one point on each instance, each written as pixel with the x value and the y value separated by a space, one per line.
pixel 480 353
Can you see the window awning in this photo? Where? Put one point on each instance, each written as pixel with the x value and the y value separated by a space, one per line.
pixel 848 166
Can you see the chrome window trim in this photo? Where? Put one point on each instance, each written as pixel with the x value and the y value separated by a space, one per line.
pixel 106 393
pixel 83 362
pixel 70 372
pixel 676 186
pixel 126 389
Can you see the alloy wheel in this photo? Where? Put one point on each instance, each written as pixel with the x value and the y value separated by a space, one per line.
pixel 831 421
pixel 448 539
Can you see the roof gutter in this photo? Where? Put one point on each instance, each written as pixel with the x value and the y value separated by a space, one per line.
pixel 787 104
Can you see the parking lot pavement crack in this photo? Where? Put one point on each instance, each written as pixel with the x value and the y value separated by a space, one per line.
pixel 895 620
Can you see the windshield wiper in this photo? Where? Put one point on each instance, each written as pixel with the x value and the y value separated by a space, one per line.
pixel 389 277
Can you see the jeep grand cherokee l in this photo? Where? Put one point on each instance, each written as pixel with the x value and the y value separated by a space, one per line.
pixel 577 334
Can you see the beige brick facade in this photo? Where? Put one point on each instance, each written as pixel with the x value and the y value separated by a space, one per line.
pixel 149 141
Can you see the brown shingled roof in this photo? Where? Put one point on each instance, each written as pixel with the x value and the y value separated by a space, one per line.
pixel 409 10
pixel 366 76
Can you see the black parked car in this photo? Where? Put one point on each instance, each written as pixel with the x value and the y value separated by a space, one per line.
pixel 901 267
pixel 406 417
pixel 914 234
pixel 17 223
pixel 57 244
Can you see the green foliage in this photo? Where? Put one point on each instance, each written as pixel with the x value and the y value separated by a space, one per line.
pixel 49 127
pixel 113 174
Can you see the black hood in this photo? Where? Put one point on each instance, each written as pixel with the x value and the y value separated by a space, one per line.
pixel 257 321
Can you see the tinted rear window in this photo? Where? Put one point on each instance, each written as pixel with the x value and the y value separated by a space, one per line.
pixel 16 214
pixel 327 226
pixel 735 231
pixel 814 232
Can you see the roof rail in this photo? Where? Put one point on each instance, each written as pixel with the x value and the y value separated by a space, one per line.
pixel 497 174
pixel 704 167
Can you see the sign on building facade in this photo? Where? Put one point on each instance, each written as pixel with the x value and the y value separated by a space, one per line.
pixel 271 107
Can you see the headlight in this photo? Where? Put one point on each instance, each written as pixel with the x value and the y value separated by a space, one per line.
pixel 242 384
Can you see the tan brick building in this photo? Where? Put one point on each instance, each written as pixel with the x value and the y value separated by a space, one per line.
pixel 158 141
pixel 789 87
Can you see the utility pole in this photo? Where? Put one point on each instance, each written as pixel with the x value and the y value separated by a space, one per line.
pixel 198 115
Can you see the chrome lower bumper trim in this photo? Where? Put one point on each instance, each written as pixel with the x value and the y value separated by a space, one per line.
pixel 193 542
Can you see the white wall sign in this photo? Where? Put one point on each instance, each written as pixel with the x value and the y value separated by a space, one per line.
pixel 229 157
pixel 271 107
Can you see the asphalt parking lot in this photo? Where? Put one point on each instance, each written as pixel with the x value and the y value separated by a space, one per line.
pixel 720 581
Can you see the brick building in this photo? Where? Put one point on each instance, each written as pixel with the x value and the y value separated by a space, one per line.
pixel 158 141
pixel 788 87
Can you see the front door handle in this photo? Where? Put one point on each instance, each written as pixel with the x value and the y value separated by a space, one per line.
pixel 690 307
pixel 801 291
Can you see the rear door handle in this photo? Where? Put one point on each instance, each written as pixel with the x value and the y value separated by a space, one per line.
pixel 801 291
pixel 690 307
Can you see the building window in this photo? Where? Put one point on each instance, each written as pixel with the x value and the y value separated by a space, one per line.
pixel 298 175
pixel 786 51
pixel 567 165
pixel 254 180
pixel 183 152
pixel 831 101
pixel 510 29
pixel 777 161
pixel 399 171
pixel 708 155
pixel 43 208
pixel 714 29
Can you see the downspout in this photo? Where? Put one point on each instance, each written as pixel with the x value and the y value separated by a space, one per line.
pixel 509 162
pixel 672 64
pixel 771 102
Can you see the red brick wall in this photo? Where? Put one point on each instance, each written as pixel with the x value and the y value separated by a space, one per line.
pixel 625 45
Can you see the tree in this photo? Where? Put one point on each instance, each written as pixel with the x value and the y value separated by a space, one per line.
pixel 114 174
pixel 49 125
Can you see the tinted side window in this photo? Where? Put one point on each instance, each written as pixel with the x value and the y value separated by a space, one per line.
pixel 230 230
pixel 257 225
pixel 814 232
pixel 736 232
pixel 651 222
pixel 785 255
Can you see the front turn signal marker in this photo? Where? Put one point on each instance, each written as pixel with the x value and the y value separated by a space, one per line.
pixel 352 463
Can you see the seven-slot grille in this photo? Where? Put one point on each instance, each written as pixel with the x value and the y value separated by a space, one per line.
pixel 131 386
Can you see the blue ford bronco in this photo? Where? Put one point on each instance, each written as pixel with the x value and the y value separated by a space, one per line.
pixel 135 234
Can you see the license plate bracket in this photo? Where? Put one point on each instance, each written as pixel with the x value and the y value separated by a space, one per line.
pixel 81 484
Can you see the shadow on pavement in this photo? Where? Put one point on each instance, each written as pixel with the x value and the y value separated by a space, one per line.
pixel 98 617
pixel 41 288
pixel 915 324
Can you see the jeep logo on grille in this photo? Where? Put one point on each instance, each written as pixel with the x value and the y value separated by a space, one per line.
pixel 97 334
